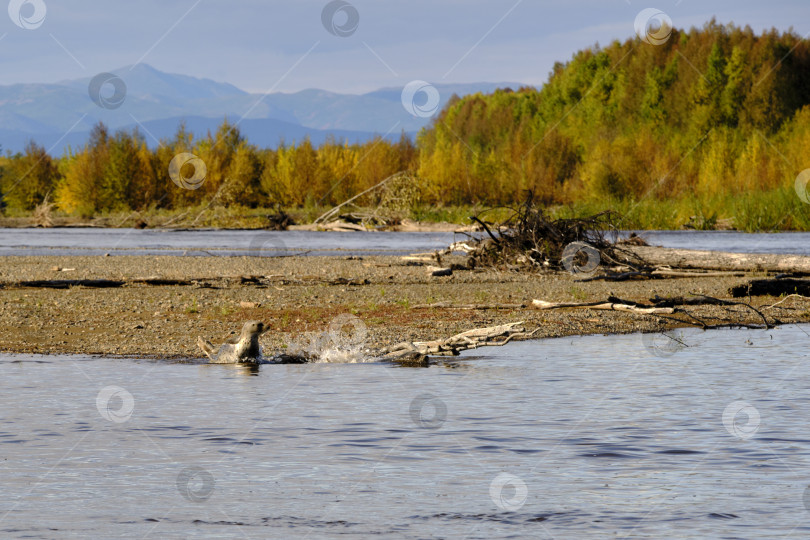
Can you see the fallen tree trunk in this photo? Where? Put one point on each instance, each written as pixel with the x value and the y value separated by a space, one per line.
pixel 679 274
pixel 663 307
pixel 722 261
pixel 658 273
pixel 452 346
pixel 691 301
pixel 68 283
pixel 448 305
pixel 609 306
pixel 209 282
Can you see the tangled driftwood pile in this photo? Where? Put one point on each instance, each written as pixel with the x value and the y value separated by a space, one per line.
pixel 392 199
pixel 530 239
pixel 590 247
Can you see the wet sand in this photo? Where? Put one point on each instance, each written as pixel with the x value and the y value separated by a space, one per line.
pixel 303 294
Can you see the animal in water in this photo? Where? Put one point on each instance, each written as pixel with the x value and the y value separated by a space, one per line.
pixel 242 350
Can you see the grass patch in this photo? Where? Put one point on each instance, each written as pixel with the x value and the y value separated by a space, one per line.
pixel 755 211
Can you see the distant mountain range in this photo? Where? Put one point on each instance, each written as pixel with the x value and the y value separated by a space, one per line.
pixel 60 115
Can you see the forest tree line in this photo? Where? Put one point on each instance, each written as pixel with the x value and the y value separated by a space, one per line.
pixel 119 172
pixel 714 114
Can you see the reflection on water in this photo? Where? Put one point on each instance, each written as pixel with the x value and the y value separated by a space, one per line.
pixel 569 438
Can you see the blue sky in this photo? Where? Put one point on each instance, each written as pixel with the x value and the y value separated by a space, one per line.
pixel 283 45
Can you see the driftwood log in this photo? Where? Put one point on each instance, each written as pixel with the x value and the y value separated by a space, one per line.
pixel 609 306
pixel 658 273
pixel 448 305
pixel 666 306
pixel 452 346
pixel 65 283
pixel 690 301
pixel 203 282
pixel 722 261
pixel 681 274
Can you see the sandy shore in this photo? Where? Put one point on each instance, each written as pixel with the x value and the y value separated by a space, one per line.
pixel 303 294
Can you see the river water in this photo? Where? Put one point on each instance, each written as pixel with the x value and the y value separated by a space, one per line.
pixel 694 434
pixel 699 435
pixel 207 243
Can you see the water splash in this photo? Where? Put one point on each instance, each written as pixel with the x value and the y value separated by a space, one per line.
pixel 328 347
